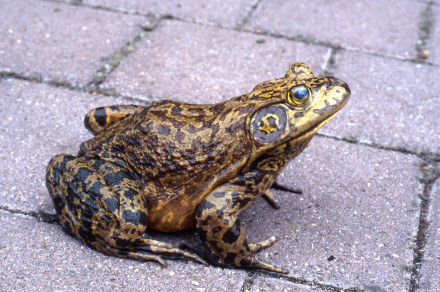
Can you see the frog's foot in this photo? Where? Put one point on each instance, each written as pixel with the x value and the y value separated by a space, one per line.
pixel 270 197
pixel 133 255
pixel 155 246
pixel 257 247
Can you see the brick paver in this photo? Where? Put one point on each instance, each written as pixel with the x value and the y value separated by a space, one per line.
pixel 60 42
pixel 38 122
pixel 433 42
pixel 368 217
pixel 39 256
pixel 389 104
pixel 229 13
pixel 227 63
pixel 354 218
pixel 430 280
pixel 365 25
pixel 270 284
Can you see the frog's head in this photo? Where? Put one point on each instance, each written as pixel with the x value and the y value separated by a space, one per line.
pixel 300 104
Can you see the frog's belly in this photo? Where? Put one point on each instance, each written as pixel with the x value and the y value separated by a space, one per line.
pixel 172 216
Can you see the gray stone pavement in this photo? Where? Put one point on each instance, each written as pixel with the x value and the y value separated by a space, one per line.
pixel 368 219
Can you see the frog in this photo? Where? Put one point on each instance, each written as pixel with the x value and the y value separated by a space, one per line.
pixel 172 166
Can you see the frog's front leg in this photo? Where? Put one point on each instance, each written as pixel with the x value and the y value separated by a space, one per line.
pixel 101 204
pixel 223 239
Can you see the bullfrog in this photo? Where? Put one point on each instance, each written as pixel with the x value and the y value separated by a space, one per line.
pixel 173 166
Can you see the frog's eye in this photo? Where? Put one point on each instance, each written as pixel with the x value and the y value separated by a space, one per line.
pixel 299 95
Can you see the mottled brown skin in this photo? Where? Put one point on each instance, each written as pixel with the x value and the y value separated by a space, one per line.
pixel 172 166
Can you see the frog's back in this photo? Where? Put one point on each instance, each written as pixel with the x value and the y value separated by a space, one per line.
pixel 180 152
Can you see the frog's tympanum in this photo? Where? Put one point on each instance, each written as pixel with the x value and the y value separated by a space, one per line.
pixel 172 166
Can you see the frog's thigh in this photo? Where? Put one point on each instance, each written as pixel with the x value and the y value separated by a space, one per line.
pixel 223 238
pixel 100 118
pixel 101 204
pixel 97 201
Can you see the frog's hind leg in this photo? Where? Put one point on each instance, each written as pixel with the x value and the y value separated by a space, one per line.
pixel 100 118
pixel 101 204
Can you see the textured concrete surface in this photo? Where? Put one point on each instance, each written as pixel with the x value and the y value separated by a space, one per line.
pixel 210 74
pixel 228 13
pixel 58 42
pixel 397 98
pixel 368 216
pixel 430 280
pixel 433 48
pixel 365 25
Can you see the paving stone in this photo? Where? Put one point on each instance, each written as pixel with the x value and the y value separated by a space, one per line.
pixel 228 13
pixel 196 63
pixel 38 121
pixel 353 226
pixel 38 256
pixel 271 284
pixel 430 272
pixel 61 42
pixel 392 102
pixel 385 27
pixel 434 40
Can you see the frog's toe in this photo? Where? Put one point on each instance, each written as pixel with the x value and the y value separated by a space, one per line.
pixel 257 247
pixel 270 197
pixel 141 257
pixel 265 266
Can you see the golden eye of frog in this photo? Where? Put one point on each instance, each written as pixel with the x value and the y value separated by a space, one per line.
pixel 172 166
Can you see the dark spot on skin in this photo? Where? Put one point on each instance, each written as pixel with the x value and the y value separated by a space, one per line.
pixel 246 262
pixel 324 109
pixel 117 149
pixel 67 228
pixel 106 219
pixel 59 204
pixel 233 234
pixel 206 205
pixel 82 174
pixel 82 150
pixel 298 115
pixel 179 136
pixel 133 140
pixel 86 235
pixel 202 235
pixel 96 188
pixel 218 194
pixel 115 108
pixel 214 246
pixel 130 193
pixel 100 116
pixel 111 204
pixel 176 111
pixel 230 258
pixel 137 217
pixel 216 229
pixel 244 202
pixel 164 130
pixel 123 243
pixel 217 109
pixel 90 207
